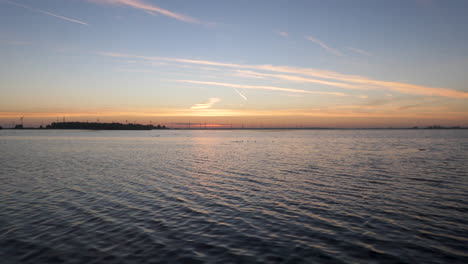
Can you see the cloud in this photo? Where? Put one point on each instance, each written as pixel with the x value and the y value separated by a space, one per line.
pixel 253 74
pixel 272 88
pixel 46 13
pixel 323 45
pixel 333 79
pixel 150 8
pixel 247 74
pixel 282 33
pixel 151 13
pixel 360 51
pixel 207 105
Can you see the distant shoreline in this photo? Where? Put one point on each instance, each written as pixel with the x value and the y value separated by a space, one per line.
pixel 91 126
pixel 323 128
pixel 253 128
pixel 132 126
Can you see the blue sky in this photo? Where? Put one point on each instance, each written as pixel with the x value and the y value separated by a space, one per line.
pixel 352 62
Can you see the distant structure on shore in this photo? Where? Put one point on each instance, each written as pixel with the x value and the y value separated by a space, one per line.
pixel 442 127
pixel 102 126
pixel 132 126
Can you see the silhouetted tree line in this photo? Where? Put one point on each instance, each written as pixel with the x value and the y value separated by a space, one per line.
pixel 442 127
pixel 101 126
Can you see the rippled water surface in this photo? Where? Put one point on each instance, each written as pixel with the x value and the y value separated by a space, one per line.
pixel 290 196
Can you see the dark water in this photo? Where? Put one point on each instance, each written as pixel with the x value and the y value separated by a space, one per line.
pixel 331 196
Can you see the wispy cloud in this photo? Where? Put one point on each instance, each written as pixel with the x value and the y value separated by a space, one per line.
pixel 151 13
pixel 282 33
pixel 323 45
pixel 259 87
pixel 333 79
pixel 45 12
pixel 151 9
pixel 206 105
pixel 253 74
pixel 247 74
pixel 360 51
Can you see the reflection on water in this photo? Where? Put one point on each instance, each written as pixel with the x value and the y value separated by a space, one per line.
pixel 331 196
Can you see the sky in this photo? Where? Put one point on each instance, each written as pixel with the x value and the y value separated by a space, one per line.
pixel 272 63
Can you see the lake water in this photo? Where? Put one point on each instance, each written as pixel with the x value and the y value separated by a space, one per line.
pixel 265 196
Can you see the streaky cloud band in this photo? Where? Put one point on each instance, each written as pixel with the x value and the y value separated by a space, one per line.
pixel 340 80
pixel 147 7
pixel 46 12
pixel 259 87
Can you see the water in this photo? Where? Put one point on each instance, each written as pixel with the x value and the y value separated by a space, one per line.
pixel 290 196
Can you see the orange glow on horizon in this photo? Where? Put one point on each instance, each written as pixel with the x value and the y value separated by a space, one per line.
pixel 339 112
pixel 344 116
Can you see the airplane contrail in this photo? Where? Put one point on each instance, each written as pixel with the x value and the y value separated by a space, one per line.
pixel 240 94
pixel 46 13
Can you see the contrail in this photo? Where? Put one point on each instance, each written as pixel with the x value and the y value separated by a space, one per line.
pixel 360 51
pixel 241 95
pixel 323 45
pixel 46 13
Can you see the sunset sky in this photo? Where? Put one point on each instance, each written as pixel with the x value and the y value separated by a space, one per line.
pixel 253 63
